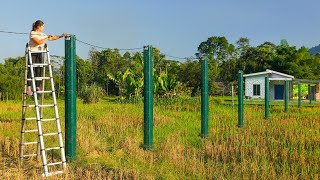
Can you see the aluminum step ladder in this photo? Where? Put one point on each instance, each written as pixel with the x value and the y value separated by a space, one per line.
pixel 41 118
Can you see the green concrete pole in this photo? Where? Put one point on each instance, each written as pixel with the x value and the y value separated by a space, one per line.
pixel 70 97
pixel 148 97
pixel 286 95
pixel 310 93
pixel 299 95
pixel 204 97
pixel 240 99
pixel 266 99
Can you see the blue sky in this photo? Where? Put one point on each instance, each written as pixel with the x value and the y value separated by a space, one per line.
pixel 176 27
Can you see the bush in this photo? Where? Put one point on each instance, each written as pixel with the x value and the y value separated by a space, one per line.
pixel 91 94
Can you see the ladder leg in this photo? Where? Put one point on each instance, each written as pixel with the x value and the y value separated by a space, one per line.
pixel 62 152
pixel 42 95
pixel 24 98
pixel 35 97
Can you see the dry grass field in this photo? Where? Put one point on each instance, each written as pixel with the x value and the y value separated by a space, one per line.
pixel 110 136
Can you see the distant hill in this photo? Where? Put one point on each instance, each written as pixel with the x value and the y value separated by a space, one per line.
pixel 315 50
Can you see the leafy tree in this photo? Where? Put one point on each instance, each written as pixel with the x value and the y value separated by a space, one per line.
pixel 283 59
pixel 259 58
pixel 304 64
pixel 107 62
pixel 12 77
pixel 284 43
pixel 58 69
pixel 189 74
pixel 243 45
pixel 84 72
pixel 216 48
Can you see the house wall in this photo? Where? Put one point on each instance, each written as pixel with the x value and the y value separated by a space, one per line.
pixel 250 81
pixel 271 88
pixel 317 92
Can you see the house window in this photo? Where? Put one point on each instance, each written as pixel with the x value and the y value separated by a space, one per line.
pixel 256 89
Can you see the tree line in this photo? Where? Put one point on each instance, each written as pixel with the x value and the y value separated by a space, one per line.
pixel 108 72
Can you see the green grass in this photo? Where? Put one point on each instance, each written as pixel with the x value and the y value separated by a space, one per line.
pixel 110 139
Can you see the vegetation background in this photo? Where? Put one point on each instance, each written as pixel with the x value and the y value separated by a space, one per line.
pixel 110 117
pixel 121 74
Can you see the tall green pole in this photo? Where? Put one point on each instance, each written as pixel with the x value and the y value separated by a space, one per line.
pixel 70 97
pixel 310 93
pixel 148 97
pixel 299 95
pixel 286 95
pixel 204 97
pixel 240 99
pixel 266 98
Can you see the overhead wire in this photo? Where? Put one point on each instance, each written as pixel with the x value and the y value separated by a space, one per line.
pixel 11 32
pixel 100 47
pixel 181 58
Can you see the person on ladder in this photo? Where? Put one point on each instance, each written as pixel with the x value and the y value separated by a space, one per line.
pixel 36 42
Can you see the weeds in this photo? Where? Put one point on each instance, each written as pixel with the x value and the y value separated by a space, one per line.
pixel 110 135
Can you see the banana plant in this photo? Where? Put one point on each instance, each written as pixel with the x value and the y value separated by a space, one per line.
pixel 168 86
pixel 120 80
pixel 134 84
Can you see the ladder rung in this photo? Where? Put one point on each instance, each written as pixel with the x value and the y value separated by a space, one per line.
pixel 40 92
pixel 33 118
pixel 39 78
pixel 34 130
pixel 54 148
pixel 53 164
pixel 38 51
pixel 49 134
pixel 46 105
pixel 38 65
pixel 28 143
pixel 52 173
pixel 29 105
pixel 52 119
pixel 43 105
pixel 29 155
pixel 43 120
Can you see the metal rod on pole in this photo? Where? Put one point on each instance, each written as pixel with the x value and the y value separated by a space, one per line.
pixel 266 99
pixel 240 99
pixel 204 97
pixel 70 97
pixel 148 97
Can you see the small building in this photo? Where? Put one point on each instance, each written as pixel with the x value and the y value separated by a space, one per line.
pixel 255 84
pixel 313 87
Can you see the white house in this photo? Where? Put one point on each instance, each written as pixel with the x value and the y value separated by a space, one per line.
pixel 255 84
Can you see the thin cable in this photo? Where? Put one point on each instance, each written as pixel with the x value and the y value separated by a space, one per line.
pixel 20 33
pixel 11 32
pixel 100 47
pixel 181 58
pixel 56 56
pixel 123 49
pixel 175 57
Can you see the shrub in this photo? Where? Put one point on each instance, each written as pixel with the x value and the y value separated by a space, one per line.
pixel 91 94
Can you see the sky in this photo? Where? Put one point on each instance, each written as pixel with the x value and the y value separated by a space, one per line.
pixel 176 27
